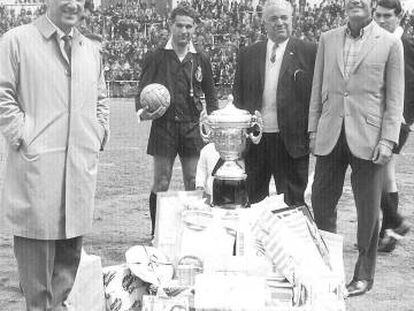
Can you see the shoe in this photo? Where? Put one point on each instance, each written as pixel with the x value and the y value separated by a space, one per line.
pixel 402 229
pixel 358 287
pixel 387 244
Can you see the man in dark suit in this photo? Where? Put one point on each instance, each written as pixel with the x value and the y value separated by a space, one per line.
pixel 354 120
pixel 394 227
pixel 275 78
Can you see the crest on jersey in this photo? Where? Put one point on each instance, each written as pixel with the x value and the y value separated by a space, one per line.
pixel 198 75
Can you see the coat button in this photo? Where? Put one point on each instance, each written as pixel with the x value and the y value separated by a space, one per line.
pixel 346 94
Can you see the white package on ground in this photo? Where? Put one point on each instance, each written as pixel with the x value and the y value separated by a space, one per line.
pixel 209 236
pixel 186 226
pixel 169 208
pixel 87 293
pixel 123 290
pixel 335 243
pixel 286 240
pixel 149 264
pixel 234 293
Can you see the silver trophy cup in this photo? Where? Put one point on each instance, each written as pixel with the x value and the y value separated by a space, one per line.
pixel 229 128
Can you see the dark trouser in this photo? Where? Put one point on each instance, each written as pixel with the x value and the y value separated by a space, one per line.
pixel 366 181
pixel 268 158
pixel 47 270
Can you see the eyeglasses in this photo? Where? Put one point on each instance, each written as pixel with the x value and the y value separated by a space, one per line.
pixel 275 19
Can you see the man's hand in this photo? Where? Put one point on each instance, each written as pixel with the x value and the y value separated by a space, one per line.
pixel 257 128
pixel 382 153
pixel 312 138
pixel 144 114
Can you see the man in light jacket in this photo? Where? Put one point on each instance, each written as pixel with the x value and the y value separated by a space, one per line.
pixel 54 116
pixel 354 120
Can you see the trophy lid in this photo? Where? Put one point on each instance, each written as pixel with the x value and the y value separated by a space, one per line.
pixel 230 116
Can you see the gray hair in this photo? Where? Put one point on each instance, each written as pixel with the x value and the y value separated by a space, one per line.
pixel 276 3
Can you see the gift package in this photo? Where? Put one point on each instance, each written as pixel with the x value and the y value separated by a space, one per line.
pixel 123 290
pixel 87 293
pixel 267 257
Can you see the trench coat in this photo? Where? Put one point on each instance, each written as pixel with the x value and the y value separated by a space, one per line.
pixel 54 116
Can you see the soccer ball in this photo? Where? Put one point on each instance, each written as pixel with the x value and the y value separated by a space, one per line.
pixel 153 96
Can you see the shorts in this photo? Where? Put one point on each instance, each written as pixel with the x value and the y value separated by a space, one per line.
pixel 169 138
pixel 402 139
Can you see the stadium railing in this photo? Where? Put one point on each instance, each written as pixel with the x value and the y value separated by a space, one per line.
pixel 122 88
pixel 129 88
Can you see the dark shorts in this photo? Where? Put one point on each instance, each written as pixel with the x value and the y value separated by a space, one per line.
pixel 169 138
pixel 404 132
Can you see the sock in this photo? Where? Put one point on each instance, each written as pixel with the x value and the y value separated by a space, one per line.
pixel 390 217
pixel 393 201
pixel 153 210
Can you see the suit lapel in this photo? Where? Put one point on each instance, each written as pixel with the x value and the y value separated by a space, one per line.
pixel 340 51
pixel 262 63
pixel 367 47
pixel 288 57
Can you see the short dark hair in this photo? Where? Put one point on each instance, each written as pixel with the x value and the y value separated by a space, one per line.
pixel 183 10
pixel 391 4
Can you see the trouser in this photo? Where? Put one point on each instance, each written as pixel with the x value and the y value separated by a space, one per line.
pixel 270 157
pixel 47 271
pixel 366 181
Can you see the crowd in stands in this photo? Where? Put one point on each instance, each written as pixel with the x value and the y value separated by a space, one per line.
pixel 131 29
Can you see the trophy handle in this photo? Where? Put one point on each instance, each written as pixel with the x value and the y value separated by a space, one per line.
pixel 256 121
pixel 205 131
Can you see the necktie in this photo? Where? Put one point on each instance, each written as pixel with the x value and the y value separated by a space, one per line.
pixel 67 46
pixel 273 54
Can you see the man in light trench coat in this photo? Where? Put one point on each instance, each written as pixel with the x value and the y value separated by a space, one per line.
pixel 54 117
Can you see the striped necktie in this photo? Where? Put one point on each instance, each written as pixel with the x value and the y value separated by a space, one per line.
pixel 273 54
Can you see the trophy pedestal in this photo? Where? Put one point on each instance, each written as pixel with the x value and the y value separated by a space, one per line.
pixel 229 186
pixel 230 194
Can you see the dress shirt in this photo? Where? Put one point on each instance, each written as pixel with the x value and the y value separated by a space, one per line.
pixel 353 46
pixel 398 33
pixel 189 49
pixel 269 100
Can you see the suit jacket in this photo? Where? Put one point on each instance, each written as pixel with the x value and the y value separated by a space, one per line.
pixel 408 44
pixel 59 113
pixel 293 90
pixel 369 103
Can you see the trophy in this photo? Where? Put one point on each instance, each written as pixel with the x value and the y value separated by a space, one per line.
pixel 228 129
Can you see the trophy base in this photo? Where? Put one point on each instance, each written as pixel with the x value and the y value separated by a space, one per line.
pixel 230 194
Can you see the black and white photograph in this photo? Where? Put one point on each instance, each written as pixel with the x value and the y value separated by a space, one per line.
pixel 206 155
